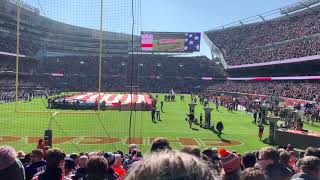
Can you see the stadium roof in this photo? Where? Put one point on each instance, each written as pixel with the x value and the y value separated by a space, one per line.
pixel 269 15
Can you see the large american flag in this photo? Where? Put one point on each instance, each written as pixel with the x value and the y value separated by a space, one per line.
pixel 111 99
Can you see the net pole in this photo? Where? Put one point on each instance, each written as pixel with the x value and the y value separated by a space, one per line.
pixel 17 56
pixel 131 78
pixel 100 52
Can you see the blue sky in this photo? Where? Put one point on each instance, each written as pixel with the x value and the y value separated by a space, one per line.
pixel 157 15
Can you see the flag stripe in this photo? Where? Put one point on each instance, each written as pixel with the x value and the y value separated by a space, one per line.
pixel 87 96
pixel 123 98
pixel 112 97
pixel 146 45
pixel 147 99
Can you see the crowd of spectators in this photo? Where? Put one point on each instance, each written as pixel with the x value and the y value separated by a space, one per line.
pixel 143 66
pixel 305 90
pixel 291 36
pixel 268 163
pixel 151 73
pixel 288 89
pixel 287 50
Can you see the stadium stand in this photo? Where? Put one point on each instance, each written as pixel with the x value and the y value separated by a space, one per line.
pixel 290 89
pixel 156 73
pixel 292 36
pixel 58 57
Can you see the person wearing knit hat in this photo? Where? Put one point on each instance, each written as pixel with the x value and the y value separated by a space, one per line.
pixel 229 161
pixel 10 167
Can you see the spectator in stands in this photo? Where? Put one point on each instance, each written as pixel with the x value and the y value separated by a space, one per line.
pixel 55 166
pixel 278 172
pixel 40 144
pixel 10 166
pixel 69 167
pixel 169 164
pixel 269 163
pixel 132 147
pixel 192 150
pixel 136 156
pixel 211 158
pixel 284 158
pixel 293 159
pixel 160 144
pixel 82 169
pixel 129 157
pixel 37 164
pixel 231 164
pixel 97 168
pixel 310 169
pixel 27 160
pixel 110 157
pixel 267 156
pixel 252 174
pixel 117 166
pixel 312 151
pixel 248 160
pixel 74 156
pixel 21 155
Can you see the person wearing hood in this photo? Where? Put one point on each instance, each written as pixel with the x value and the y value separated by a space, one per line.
pixel 11 167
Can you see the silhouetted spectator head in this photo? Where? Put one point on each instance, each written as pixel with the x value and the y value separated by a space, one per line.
pixel 278 171
pixel 21 156
pixel 252 174
pixel 310 168
pixel 83 161
pixel 36 155
pixel 131 147
pixel 109 157
pixel 289 148
pixel 284 157
pixel 170 165
pixel 69 165
pixel 192 150
pixel 74 156
pixel 312 151
pixel 249 159
pixel 160 144
pixel 97 168
pixel 268 156
pixel 10 166
pixel 55 158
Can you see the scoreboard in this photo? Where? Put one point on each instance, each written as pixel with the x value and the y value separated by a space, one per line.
pixel 170 41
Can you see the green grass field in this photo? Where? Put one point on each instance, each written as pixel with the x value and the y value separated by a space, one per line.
pixel 91 132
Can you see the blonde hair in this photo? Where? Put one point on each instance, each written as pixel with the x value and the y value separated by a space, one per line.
pixel 170 165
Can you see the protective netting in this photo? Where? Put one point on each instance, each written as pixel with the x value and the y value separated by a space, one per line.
pixel 70 63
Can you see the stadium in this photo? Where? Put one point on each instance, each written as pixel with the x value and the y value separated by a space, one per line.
pixel 92 91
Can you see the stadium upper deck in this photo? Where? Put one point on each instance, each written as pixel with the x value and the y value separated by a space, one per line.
pixel 43 36
pixel 290 36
